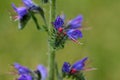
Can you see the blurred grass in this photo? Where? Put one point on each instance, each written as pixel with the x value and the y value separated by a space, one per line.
pixel 29 46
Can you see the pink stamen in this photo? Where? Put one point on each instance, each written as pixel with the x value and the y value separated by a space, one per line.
pixel 89 69
pixel 60 29
pixel 73 71
pixel 76 41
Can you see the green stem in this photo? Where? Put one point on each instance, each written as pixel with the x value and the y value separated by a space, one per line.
pixel 51 53
pixel 52 13
pixel 51 64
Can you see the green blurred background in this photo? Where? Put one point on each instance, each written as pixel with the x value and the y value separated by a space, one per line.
pixel 101 43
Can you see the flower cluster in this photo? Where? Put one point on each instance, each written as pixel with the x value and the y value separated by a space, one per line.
pixel 26 74
pixel 76 67
pixel 75 70
pixel 71 29
pixel 27 11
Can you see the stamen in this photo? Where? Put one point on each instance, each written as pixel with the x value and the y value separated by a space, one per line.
pixel 76 41
pixel 89 69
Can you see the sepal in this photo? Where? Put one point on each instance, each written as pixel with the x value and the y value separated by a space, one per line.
pixel 22 22
pixel 44 1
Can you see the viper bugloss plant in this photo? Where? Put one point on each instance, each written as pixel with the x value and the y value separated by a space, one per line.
pixel 59 30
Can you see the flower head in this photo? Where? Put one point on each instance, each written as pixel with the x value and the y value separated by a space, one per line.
pixel 21 11
pixel 71 29
pixel 76 67
pixel 24 72
pixel 23 16
pixel 34 8
pixel 79 65
pixel 21 69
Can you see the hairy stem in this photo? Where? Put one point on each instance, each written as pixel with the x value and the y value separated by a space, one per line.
pixel 51 64
pixel 52 13
pixel 51 53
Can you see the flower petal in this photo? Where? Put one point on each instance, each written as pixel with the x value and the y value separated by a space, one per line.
pixel 25 77
pixel 21 69
pixel 58 22
pixel 79 65
pixel 21 11
pixel 43 72
pixel 76 22
pixel 74 34
pixel 66 67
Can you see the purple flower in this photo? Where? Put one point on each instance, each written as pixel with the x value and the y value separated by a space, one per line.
pixel 24 72
pixel 28 3
pixel 71 28
pixel 25 77
pixel 74 34
pixel 32 6
pixel 43 72
pixel 59 22
pixel 66 67
pixel 21 69
pixel 21 11
pixel 76 67
pixel 23 16
pixel 76 22
pixel 79 65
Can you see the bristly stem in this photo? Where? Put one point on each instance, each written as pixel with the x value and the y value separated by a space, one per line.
pixel 51 53
pixel 52 12
pixel 51 64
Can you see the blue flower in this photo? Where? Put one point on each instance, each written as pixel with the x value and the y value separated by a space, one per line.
pixel 23 16
pixel 76 22
pixel 58 23
pixel 21 11
pixel 74 34
pixel 28 3
pixel 79 65
pixel 66 67
pixel 21 69
pixel 25 77
pixel 24 72
pixel 76 67
pixel 43 72
pixel 71 29
pixel 32 6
